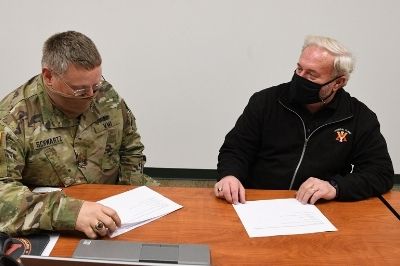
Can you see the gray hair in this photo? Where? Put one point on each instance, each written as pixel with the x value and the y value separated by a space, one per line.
pixel 70 47
pixel 344 60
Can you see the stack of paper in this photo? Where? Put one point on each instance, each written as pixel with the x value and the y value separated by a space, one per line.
pixel 281 217
pixel 139 206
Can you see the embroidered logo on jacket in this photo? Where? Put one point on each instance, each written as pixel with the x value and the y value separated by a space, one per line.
pixel 342 134
pixel 105 120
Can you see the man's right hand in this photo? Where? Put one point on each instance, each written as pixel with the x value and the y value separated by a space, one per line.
pixel 230 189
pixel 95 219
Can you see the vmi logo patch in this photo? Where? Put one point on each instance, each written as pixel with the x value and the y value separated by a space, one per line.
pixel 105 120
pixel 342 134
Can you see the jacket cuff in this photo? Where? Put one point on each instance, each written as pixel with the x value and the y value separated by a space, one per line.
pixel 67 213
pixel 338 185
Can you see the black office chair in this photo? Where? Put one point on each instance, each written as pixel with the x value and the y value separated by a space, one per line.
pixel 5 242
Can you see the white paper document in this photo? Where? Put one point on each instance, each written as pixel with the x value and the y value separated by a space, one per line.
pixel 139 206
pixel 46 189
pixel 281 217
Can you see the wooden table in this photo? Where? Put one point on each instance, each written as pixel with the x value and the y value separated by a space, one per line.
pixel 368 233
pixel 393 198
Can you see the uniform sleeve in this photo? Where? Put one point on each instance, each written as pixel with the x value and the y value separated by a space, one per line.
pixel 23 211
pixel 132 159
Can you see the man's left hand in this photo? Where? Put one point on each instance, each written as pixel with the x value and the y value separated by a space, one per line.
pixel 314 189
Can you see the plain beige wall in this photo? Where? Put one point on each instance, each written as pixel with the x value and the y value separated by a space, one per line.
pixel 187 68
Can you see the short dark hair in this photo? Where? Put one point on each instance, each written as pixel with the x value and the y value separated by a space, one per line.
pixel 70 47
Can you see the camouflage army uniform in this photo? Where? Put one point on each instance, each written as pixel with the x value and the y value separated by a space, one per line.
pixel 42 147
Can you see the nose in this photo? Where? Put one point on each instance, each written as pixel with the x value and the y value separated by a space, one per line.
pixel 90 91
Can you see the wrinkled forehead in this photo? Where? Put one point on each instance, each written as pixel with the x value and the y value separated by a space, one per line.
pixel 81 76
pixel 317 59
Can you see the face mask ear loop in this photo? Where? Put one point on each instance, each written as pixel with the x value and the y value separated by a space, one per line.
pixel 324 99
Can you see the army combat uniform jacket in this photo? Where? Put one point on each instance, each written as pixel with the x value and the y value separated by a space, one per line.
pixel 40 146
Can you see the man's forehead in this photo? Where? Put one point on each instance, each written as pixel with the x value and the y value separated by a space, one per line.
pixel 316 59
pixel 73 68
pixel 79 74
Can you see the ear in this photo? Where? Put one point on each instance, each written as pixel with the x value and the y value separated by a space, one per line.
pixel 48 76
pixel 340 83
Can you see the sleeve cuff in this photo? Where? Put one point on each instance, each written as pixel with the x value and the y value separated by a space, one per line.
pixel 65 218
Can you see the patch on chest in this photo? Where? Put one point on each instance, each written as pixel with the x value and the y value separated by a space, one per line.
pixel 107 124
pixel 105 121
pixel 342 134
pixel 47 142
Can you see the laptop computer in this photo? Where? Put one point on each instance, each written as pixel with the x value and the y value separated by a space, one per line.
pixel 190 254
pixel 115 253
pixel 31 260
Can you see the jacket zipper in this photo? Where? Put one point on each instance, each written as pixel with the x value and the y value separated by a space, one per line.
pixel 306 139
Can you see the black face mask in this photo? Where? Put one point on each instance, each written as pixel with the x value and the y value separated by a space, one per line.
pixel 304 91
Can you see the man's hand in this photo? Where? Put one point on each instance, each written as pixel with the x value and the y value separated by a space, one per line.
pixel 230 189
pixel 95 220
pixel 314 189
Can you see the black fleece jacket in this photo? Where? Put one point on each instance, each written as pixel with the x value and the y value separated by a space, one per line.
pixel 278 145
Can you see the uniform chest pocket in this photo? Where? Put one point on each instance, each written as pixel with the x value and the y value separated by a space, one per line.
pixel 59 166
pixel 110 158
pixel 108 134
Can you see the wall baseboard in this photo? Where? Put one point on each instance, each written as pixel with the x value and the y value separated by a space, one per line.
pixel 181 173
pixel 196 174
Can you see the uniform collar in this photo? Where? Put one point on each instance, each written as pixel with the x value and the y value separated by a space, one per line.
pixel 54 118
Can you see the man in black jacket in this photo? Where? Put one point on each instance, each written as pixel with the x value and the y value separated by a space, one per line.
pixel 309 135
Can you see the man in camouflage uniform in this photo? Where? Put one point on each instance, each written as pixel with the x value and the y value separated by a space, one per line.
pixel 64 127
